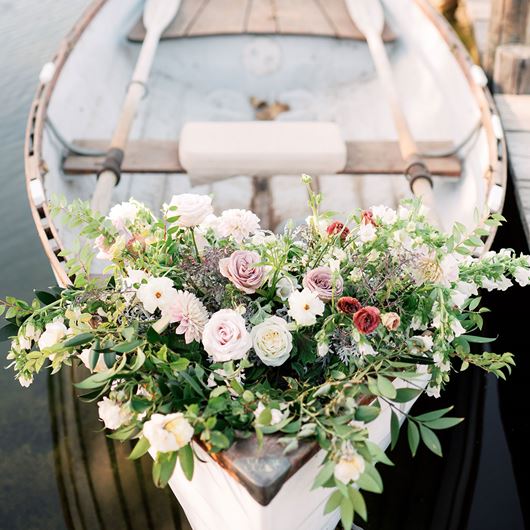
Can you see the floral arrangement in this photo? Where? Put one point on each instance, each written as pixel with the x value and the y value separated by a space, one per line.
pixel 208 328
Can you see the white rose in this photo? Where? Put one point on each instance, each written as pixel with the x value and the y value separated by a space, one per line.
pixel 53 333
pixel 225 337
pixel 156 293
pixel 191 209
pixel 122 214
pixel 167 432
pixel 305 306
pixel 272 341
pixel 349 468
pixel 112 414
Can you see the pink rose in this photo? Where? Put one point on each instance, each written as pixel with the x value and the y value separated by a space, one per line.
pixel 322 282
pixel 390 320
pixel 225 337
pixel 240 270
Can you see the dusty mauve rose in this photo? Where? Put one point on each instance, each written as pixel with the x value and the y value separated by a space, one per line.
pixel 390 321
pixel 367 319
pixel 240 270
pixel 367 218
pixel 336 227
pixel 323 283
pixel 348 305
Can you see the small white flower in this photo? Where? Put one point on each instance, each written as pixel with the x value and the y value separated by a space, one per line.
pixel 384 214
pixel 457 327
pixel 522 276
pixel 305 306
pixel 277 415
pixel 186 309
pixel 441 363
pixel 433 391
pixel 501 284
pixel 167 432
pixel 123 214
pixel 113 414
pixel 462 292
pixel 190 208
pixel 320 225
pixel 322 349
pixel 365 348
pixel 84 356
pixel 403 212
pixel 25 381
pixel 135 277
pixel 367 232
pixel 449 268
pixel 272 341
pixel 262 237
pixel 350 467
pixel 421 343
pixel 238 224
pixel 156 293
pixel 285 287
pixel 356 274
pixel 53 333
pixel 225 337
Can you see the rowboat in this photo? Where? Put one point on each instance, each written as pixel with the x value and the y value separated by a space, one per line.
pixel 243 97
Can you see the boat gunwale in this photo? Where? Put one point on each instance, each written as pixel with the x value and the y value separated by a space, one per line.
pixel 35 165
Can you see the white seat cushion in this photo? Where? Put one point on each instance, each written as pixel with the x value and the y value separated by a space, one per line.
pixel 214 150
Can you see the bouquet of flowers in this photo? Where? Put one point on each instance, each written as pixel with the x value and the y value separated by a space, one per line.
pixel 208 328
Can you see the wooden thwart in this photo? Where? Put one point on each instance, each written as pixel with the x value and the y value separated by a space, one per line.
pixel 161 156
pixel 327 18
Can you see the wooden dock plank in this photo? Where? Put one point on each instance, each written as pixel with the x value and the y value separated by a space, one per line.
pixel 515 111
pixel 302 16
pixel 261 17
pixel 161 156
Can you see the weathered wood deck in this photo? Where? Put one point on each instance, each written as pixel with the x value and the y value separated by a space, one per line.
pixel 515 115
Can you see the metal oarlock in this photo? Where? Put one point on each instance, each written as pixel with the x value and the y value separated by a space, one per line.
pixel 417 169
pixel 113 162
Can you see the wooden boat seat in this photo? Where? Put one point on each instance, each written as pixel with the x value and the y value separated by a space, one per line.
pixel 199 18
pixel 217 150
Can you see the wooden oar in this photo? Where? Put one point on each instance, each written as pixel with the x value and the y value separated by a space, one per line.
pixel 369 18
pixel 157 16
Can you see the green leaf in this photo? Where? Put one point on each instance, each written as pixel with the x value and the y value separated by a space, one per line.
pixel 265 416
pixel 367 413
pixel 192 382
pixel 377 453
pixel 478 340
pixel 163 468
pixel 413 435
pixel 325 473
pixel 93 359
pixel 403 395
pixel 139 361
pixel 333 502
pixel 370 480
pixel 346 513
pixel 140 404
pixel 126 347
pixel 109 358
pixel 95 380
pixel 386 388
pixel 141 447
pixel 430 440
pixel 45 297
pixel 219 440
pixel 443 423
pixel 358 503
pixel 433 415
pixel 187 461
pixel 78 340
pixel 394 429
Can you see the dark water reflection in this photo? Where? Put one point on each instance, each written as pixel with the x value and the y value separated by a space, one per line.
pixel 57 472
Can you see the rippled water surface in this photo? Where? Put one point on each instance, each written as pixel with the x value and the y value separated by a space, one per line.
pixel 57 472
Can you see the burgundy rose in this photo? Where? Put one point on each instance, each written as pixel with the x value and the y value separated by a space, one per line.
pixel 240 269
pixel 348 305
pixel 367 218
pixel 323 283
pixel 336 227
pixel 367 319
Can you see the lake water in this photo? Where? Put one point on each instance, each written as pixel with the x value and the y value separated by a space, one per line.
pixel 57 472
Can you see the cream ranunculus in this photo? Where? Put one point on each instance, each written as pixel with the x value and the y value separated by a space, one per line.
pixel 191 209
pixel 113 414
pixel 272 341
pixel 167 432
pixel 122 214
pixel 53 333
pixel 349 468
pixel 225 337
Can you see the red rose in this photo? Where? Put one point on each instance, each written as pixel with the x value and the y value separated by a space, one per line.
pixel 367 218
pixel 367 319
pixel 336 227
pixel 348 305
